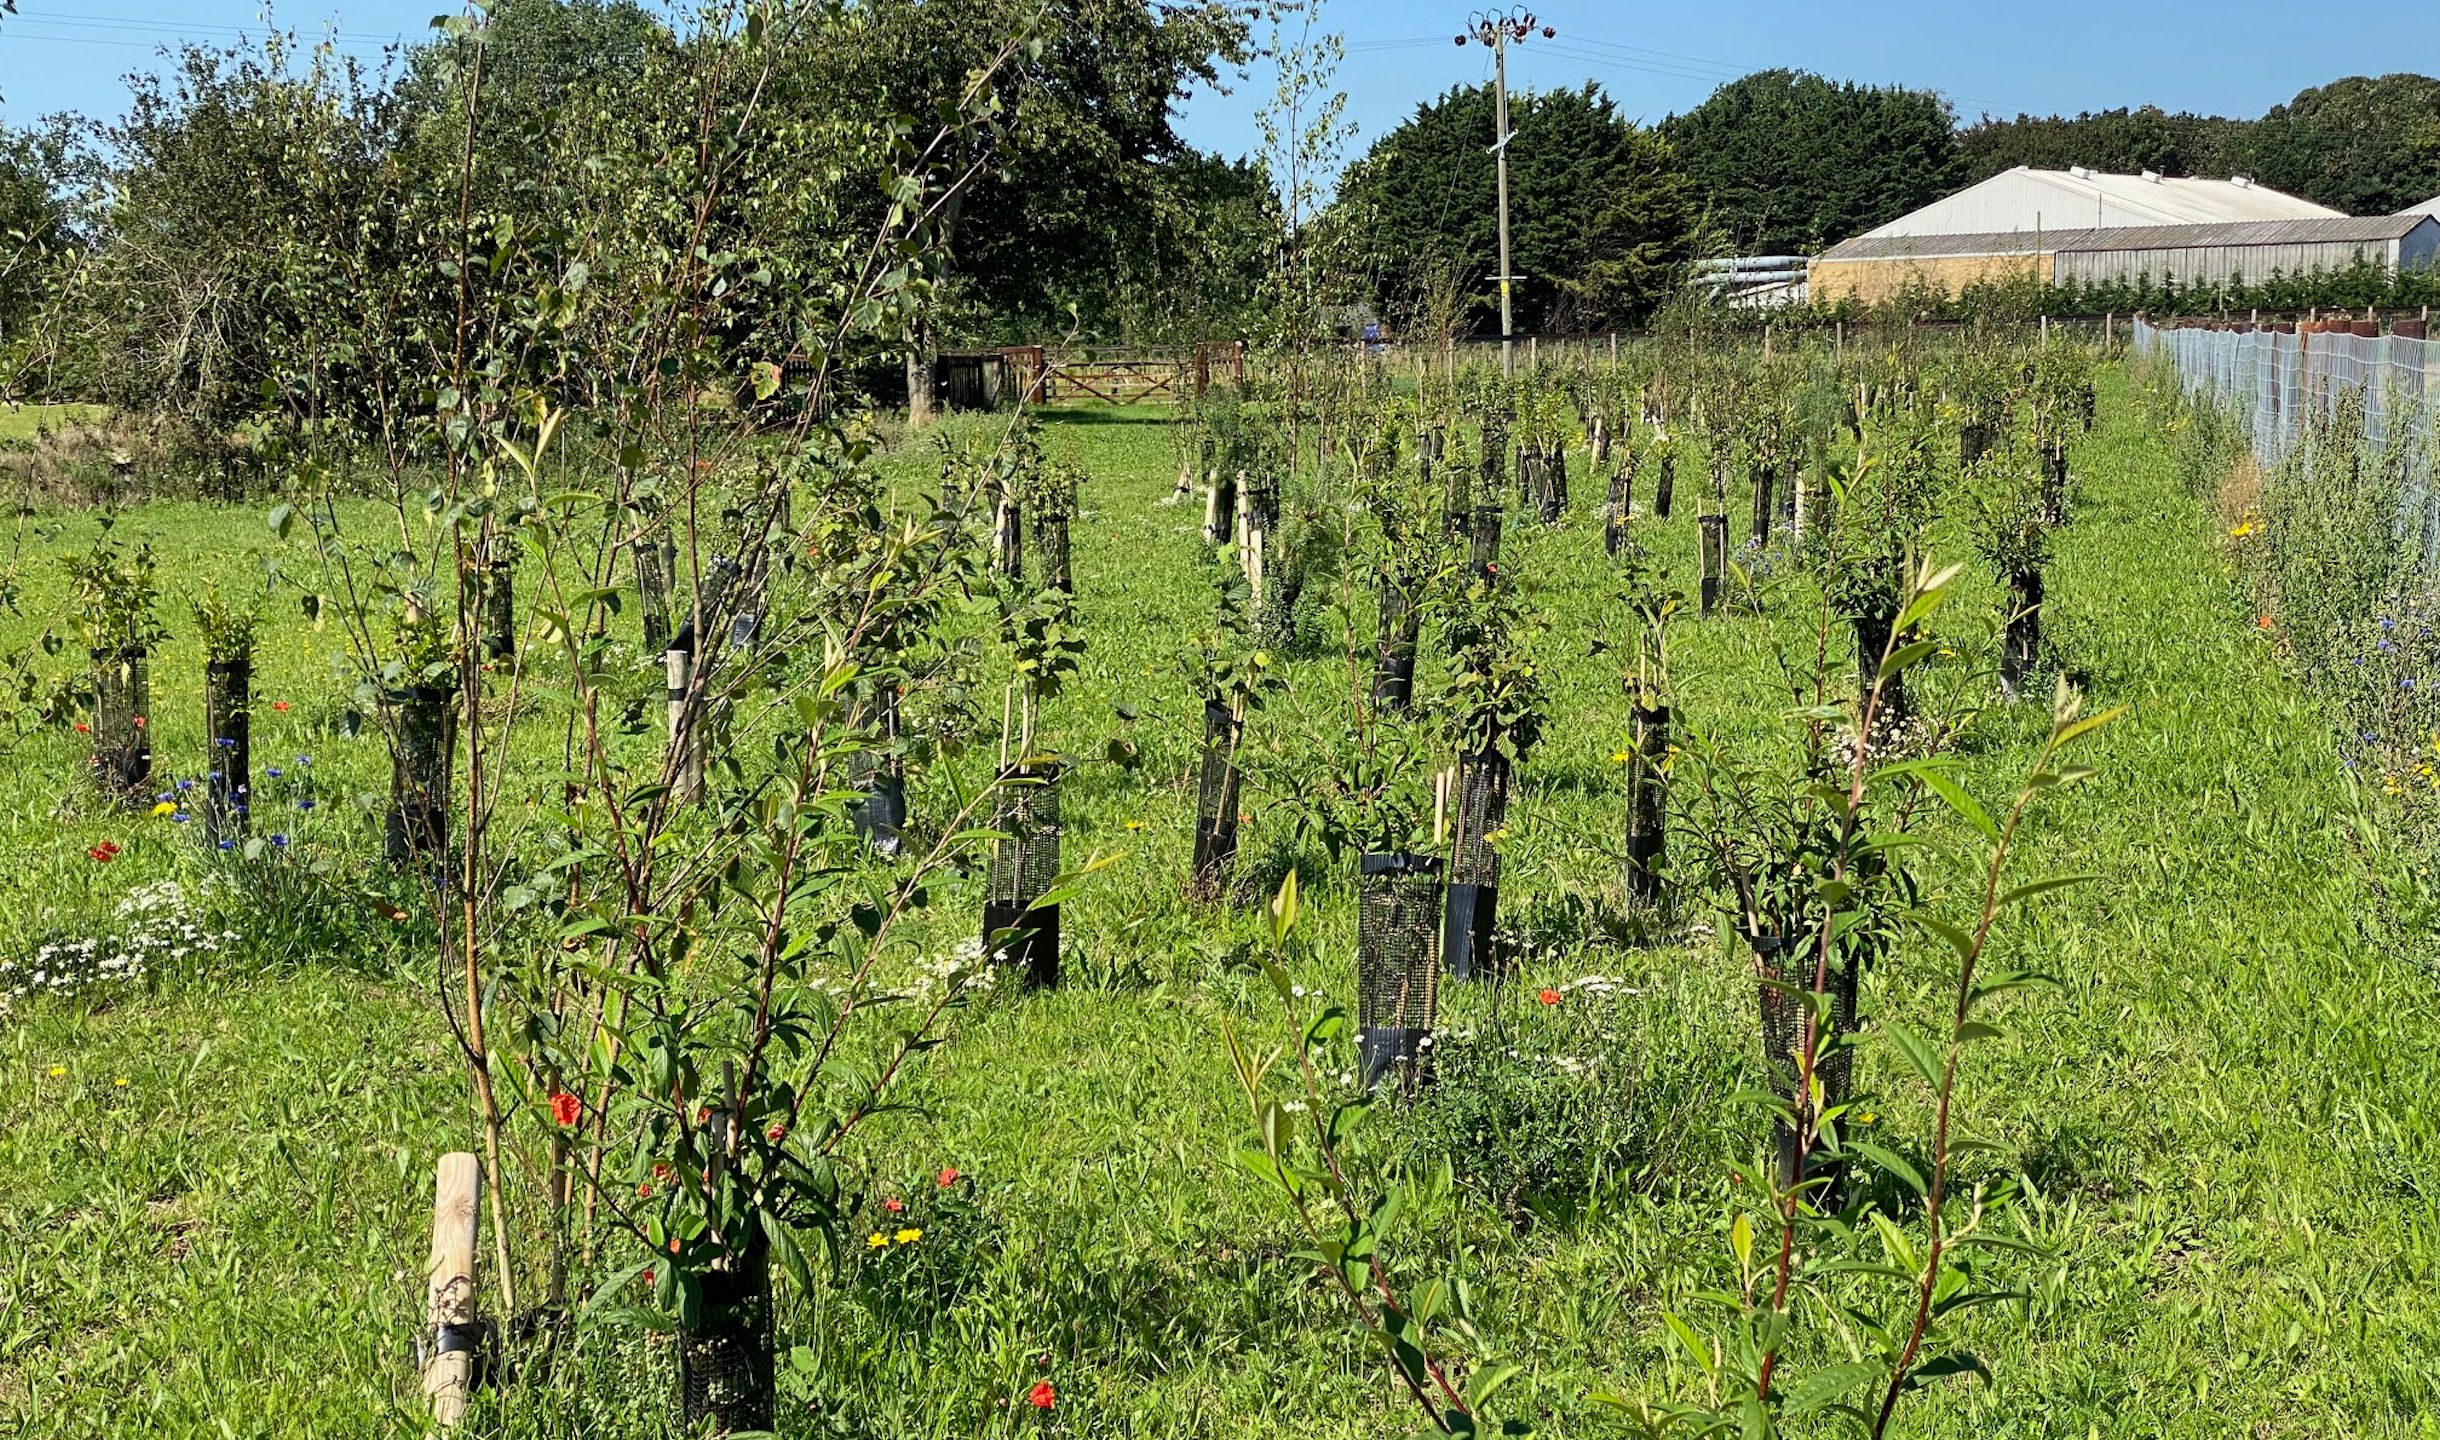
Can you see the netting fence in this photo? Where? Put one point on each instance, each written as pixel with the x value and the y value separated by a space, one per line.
pixel 2280 382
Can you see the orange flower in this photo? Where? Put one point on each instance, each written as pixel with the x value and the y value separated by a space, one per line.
pixel 2266 622
pixel 1550 997
pixel 948 1177
pixel 1043 1396
pixel 566 1109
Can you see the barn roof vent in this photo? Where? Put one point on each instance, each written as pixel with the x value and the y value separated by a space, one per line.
pixel 2080 172
pixel 2152 175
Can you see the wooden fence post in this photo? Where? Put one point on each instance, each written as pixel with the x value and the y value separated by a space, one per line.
pixel 452 1299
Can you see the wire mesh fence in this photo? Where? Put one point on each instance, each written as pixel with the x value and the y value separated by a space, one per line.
pixel 2281 383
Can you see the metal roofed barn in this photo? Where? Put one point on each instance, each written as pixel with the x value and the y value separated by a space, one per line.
pixel 2254 250
pixel 2056 226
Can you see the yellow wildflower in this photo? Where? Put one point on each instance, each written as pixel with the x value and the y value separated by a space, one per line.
pixel 165 808
pixel 121 1081
pixel 58 1070
pixel 1621 757
pixel 908 1236
pixel 1135 824
pixel 876 1240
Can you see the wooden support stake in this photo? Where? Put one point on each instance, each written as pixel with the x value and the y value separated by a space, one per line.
pixel 453 1297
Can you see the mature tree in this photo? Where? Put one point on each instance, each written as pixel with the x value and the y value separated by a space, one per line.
pixel 35 223
pixel 1788 162
pixel 2368 147
pixel 1600 217
pixel 2121 141
pixel 541 61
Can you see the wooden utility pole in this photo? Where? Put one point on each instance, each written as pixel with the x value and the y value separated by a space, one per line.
pixel 1496 30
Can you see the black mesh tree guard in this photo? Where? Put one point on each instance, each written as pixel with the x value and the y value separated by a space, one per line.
pixel 1764 478
pixel 423 739
pixel 1220 513
pixel 1467 947
pixel 1495 454
pixel 1711 540
pixel 726 1361
pixel 2088 400
pixel 1394 652
pixel 1872 637
pixel 1397 966
pixel 1554 484
pixel 1664 488
pixel 655 562
pixel 1616 515
pixel 122 741
pixel 1216 804
pixel 1008 538
pixel 1051 551
pixel 1647 803
pixel 1483 553
pixel 2054 482
pixel 880 817
pixel 499 608
pixel 2021 647
pixel 1024 862
pixel 1973 442
pixel 228 766
pixel 1457 496
pixel 1786 967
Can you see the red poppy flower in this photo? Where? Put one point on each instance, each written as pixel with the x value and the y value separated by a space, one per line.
pixel 102 854
pixel 673 1244
pixel 566 1109
pixel 662 1172
pixel 648 1276
pixel 139 722
pixel 1042 1396
pixel 110 848
pixel 83 729
pixel 644 1190
pixel 776 1134
pixel 894 1205
pixel 1550 997
pixel 281 705
pixel 948 1177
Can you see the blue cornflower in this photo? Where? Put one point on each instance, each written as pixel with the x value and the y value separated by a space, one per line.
pixel 216 775
pixel 2367 737
pixel 231 844
pixel 186 784
pixel 2380 645
pixel 304 804
pixel 279 839
pixel 2388 624
pixel 273 772
pixel 224 742
pixel 182 817
pixel 164 795
pixel 304 759
pixel 2407 684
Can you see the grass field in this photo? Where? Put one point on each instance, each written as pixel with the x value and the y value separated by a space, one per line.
pixel 214 1188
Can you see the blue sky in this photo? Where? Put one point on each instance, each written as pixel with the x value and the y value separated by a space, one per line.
pixel 2235 57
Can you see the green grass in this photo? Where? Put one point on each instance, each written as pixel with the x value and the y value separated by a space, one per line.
pixel 21 423
pixel 2224 1109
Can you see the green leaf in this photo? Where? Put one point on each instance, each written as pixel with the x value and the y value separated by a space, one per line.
pixel 1959 940
pixel 2041 887
pixel 1485 1383
pixel 1892 1163
pixel 1918 1055
pixel 1831 1383
pixel 283 518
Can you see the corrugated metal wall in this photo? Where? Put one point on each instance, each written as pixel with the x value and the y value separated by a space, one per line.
pixel 2211 264
pixel 2277 381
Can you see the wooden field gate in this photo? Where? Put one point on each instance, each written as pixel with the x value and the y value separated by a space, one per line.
pixel 1151 375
